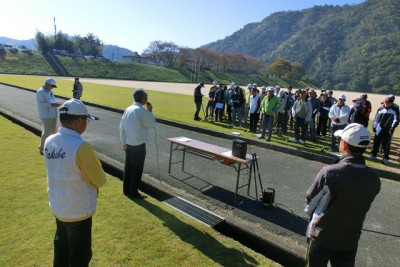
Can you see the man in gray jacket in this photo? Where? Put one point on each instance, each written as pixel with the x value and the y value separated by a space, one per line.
pixel 339 200
pixel 47 109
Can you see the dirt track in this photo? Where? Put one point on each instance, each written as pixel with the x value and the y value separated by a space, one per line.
pixel 187 89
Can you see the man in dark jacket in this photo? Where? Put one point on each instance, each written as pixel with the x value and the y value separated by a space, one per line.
pixel 324 108
pixel 339 200
pixel 386 120
pixel 198 98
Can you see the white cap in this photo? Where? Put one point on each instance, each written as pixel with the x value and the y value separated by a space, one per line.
pixel 77 108
pixel 215 82
pixel 271 89
pixel 342 97
pixel 51 81
pixel 255 85
pixel 278 86
pixel 249 86
pixel 355 134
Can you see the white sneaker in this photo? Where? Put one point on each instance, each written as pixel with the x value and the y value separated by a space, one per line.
pixel 301 142
pixel 385 161
pixel 372 157
pixel 295 140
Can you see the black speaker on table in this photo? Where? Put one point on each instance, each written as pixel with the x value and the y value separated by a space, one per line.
pixel 239 148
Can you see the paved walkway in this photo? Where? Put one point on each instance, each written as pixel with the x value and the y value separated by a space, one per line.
pixel 214 183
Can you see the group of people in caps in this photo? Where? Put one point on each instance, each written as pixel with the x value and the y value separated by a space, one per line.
pixel 309 115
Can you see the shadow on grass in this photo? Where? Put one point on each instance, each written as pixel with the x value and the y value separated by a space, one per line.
pixel 200 240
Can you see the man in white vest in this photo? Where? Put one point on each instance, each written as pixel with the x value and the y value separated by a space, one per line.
pixel 74 175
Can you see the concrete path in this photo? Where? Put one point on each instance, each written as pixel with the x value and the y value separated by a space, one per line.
pixel 214 183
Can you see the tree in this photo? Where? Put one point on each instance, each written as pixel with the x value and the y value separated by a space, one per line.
pixel 43 43
pixel 278 67
pixel 297 71
pixel 62 42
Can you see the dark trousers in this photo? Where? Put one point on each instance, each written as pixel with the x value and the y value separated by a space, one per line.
pixel 254 121
pixel 198 106
pixel 229 112
pixel 210 108
pixel 300 125
pixel 75 95
pixel 281 122
pixel 318 256
pixel 73 243
pixel 385 139
pixel 333 137
pixel 321 127
pixel 134 163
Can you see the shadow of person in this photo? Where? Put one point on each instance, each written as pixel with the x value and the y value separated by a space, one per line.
pixel 200 240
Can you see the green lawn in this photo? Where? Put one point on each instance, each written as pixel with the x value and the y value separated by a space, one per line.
pixel 174 107
pixel 145 233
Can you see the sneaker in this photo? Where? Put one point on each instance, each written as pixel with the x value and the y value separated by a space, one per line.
pixel 302 142
pixel 385 161
pixel 372 157
pixel 295 140
pixel 261 137
pixel 268 140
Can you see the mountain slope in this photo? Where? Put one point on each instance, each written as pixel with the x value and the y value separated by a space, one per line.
pixel 342 47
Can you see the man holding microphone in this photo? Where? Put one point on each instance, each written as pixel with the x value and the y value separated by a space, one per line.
pixel 135 122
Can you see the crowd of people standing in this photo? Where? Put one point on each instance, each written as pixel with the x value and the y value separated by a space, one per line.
pixel 310 115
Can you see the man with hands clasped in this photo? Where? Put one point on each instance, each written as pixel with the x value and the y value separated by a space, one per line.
pixel 338 114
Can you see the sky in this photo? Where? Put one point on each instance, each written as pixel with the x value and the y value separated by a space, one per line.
pixel 133 24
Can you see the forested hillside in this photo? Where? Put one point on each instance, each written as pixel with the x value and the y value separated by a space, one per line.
pixel 353 48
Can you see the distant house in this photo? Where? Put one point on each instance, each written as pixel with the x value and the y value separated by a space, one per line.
pixel 135 57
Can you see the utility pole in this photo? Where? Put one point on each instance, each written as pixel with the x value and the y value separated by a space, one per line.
pixel 55 28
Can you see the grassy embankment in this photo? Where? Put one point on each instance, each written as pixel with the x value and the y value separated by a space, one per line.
pixel 20 63
pixel 173 107
pixel 133 71
pixel 125 233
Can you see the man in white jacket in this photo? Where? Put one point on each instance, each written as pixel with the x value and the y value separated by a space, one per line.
pixel 338 113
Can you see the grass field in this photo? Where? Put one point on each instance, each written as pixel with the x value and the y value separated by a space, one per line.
pixel 176 107
pixel 125 233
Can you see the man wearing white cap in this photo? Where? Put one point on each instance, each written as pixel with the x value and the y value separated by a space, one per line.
pixel 338 113
pixel 74 175
pixel 339 200
pixel 47 108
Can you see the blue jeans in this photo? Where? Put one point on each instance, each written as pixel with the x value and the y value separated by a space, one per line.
pixel 318 256
pixel 268 121
pixel 238 111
